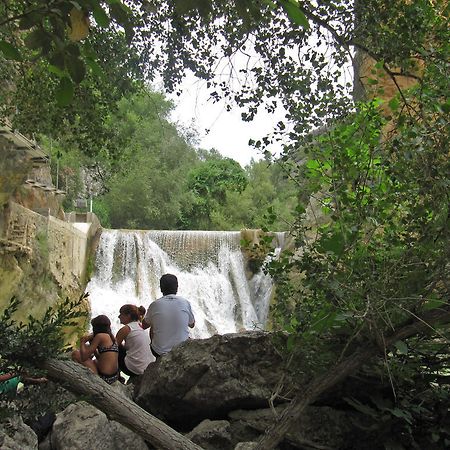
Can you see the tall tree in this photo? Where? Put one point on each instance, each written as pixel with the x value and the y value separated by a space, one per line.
pixel 209 183
pixel 146 188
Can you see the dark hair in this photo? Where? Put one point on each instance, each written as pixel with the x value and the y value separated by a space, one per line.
pixel 168 284
pixel 130 310
pixel 142 311
pixel 101 324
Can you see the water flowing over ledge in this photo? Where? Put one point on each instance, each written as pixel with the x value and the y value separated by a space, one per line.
pixel 211 274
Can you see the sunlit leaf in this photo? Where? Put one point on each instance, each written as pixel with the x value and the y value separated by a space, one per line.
pixel 295 13
pixel 401 347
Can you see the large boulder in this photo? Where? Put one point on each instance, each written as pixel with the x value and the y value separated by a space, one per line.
pixel 81 426
pixel 207 378
pixel 16 435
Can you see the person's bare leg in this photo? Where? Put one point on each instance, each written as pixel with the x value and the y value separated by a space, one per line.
pixel 89 363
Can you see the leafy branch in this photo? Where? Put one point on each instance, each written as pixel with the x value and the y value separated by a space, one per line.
pixel 26 345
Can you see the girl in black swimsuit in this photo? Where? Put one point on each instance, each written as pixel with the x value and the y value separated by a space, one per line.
pixel 103 346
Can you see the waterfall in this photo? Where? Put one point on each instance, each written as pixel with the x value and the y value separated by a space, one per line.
pixel 209 266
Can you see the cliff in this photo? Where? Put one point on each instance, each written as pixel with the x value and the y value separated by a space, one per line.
pixel 43 257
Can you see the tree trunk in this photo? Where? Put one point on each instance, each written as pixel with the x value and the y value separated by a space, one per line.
pixel 286 420
pixel 116 406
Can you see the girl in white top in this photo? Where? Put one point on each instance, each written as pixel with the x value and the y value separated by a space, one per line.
pixel 134 342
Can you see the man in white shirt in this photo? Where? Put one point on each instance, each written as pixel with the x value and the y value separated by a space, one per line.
pixel 169 317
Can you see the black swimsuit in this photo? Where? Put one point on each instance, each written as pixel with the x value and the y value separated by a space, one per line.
pixel 113 348
pixel 110 379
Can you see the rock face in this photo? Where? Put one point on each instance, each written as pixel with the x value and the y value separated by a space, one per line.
pixel 207 378
pixel 81 426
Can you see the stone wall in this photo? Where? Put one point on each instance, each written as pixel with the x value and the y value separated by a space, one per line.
pixel 49 265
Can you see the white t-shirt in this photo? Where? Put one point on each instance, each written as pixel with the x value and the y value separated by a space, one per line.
pixel 169 317
pixel 137 345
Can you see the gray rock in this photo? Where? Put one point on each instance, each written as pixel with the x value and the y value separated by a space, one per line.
pixel 212 435
pixel 81 426
pixel 207 378
pixel 245 446
pixel 16 435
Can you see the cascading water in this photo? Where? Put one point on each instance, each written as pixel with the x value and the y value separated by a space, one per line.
pixel 210 270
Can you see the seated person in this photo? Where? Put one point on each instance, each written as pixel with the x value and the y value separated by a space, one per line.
pixel 9 382
pixel 103 346
pixel 135 354
pixel 169 317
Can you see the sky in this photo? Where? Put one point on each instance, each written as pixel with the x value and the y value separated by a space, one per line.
pixel 218 128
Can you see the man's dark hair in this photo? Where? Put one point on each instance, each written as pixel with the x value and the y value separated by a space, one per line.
pixel 168 284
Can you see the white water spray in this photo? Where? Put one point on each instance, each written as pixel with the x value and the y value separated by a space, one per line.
pixel 211 274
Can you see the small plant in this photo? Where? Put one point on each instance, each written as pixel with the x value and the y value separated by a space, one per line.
pixel 257 252
pixel 42 244
pixel 25 345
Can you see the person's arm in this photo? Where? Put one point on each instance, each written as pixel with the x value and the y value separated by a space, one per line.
pixel 191 317
pixel 7 376
pixel 145 324
pixel 87 350
pixel 122 334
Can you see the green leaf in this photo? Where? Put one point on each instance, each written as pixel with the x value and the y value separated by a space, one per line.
pixel 433 303
pixel 334 243
pixel 323 320
pixel 56 71
pixel 64 93
pixel 394 104
pixel 9 51
pixel 445 107
pixel 36 39
pixel 120 14
pixel 402 348
pixel 57 60
pixel 402 414
pixel 313 164
pixel 295 13
pixel 76 69
pixel 94 66
pixel 100 16
pixel 290 344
